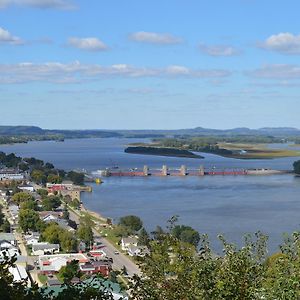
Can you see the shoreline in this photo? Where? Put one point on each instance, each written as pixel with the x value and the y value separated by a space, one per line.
pixel 93 213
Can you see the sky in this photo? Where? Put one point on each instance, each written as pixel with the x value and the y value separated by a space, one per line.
pixel 116 64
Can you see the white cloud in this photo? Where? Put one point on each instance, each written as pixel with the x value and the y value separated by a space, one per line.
pixel 285 43
pixel 7 38
pixel 76 72
pixel 155 38
pixel 43 4
pixel 89 44
pixel 276 71
pixel 218 50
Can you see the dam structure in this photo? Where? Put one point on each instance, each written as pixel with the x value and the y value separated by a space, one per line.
pixel 184 171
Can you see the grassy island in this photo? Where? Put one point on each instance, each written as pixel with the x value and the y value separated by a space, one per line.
pixel 162 151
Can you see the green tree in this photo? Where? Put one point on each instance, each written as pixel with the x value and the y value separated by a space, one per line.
pixel 85 233
pixel 29 220
pixel 68 272
pixel 75 203
pixel 30 204
pixel 38 176
pixel 186 234
pixel 54 178
pixel 22 197
pixel 296 166
pixel 133 223
pixel 51 202
pixel 5 227
pixel 67 241
pixel 42 192
pixel 77 178
pixel 144 238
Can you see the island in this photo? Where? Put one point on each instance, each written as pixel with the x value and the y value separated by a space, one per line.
pixel 162 151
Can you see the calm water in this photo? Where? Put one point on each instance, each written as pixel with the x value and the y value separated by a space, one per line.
pixel 232 205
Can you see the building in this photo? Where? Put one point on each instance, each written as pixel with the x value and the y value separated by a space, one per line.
pixel 8 245
pixel 26 188
pixel 48 216
pixel 51 264
pixel 8 174
pixel 14 211
pixel 32 238
pixel 127 242
pixel 102 267
pixel 44 248
pixel 140 251
pixel 8 237
pixel 19 273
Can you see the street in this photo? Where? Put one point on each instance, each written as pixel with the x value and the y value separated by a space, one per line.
pixel 119 260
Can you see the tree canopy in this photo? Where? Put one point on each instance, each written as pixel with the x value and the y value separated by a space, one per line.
pixel 186 234
pixel 297 167
pixel 131 222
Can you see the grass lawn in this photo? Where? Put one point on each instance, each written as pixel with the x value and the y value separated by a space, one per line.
pixel 42 278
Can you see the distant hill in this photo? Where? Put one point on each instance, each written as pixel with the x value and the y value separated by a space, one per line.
pixel 20 130
pixel 198 131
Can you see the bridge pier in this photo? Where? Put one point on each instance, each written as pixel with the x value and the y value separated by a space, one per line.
pixel 146 171
pixel 201 171
pixel 183 170
pixel 164 171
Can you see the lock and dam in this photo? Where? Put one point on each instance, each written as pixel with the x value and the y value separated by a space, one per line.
pixel 184 171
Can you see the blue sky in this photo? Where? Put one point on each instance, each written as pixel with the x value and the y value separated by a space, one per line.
pixel 150 64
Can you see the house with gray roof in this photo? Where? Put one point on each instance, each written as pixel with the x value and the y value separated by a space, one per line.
pixel 44 248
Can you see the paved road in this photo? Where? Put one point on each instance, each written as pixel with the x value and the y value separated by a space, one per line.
pixel 119 260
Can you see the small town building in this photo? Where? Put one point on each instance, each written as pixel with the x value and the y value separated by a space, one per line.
pixel 32 238
pixel 26 188
pixel 102 267
pixel 44 248
pixel 8 237
pixel 140 251
pixel 127 242
pixel 51 264
pixel 10 174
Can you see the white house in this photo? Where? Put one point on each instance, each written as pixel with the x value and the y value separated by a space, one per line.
pixel 19 273
pixel 32 238
pixel 140 251
pixel 8 237
pixel 26 188
pixel 48 216
pixel 43 248
pixel 127 242
pixel 50 264
pixel 8 245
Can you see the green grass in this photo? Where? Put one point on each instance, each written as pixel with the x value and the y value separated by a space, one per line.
pixel 42 278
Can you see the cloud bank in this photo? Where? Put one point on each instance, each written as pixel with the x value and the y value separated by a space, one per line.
pixel 276 71
pixel 219 50
pixel 7 38
pixel 43 4
pixel 155 38
pixel 285 43
pixel 89 44
pixel 56 72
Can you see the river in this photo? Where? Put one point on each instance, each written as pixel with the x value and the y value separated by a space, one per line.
pixel 231 205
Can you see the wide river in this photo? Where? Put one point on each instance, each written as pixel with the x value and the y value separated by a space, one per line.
pixel 232 205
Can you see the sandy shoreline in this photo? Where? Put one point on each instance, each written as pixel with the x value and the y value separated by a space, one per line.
pixel 93 213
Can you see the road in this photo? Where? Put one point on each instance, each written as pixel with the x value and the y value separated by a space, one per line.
pixel 119 260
